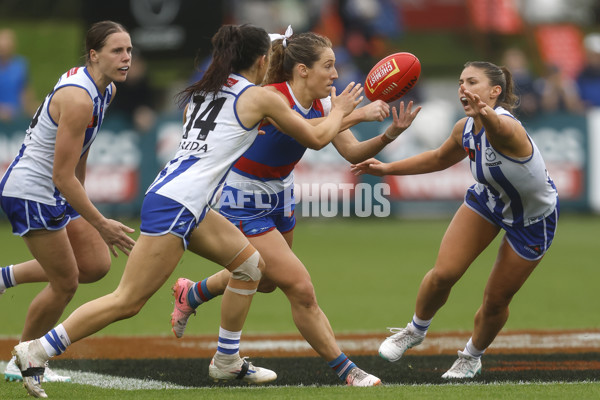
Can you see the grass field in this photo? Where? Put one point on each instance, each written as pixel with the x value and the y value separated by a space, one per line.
pixel 447 392
pixel 366 273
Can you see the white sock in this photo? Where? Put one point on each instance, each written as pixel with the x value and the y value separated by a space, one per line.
pixel 472 350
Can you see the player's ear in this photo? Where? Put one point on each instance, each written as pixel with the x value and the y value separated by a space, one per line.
pixel 496 91
pixel 93 55
pixel 262 61
pixel 302 70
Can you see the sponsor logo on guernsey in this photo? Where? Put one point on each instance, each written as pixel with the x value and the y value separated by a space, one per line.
pixel 231 82
pixel 72 71
pixel 191 145
pixel 490 157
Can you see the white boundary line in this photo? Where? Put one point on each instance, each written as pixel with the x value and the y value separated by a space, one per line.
pixel 122 383
pixel 111 382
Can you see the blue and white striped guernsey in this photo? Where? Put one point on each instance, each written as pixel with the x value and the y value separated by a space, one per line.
pixel 213 138
pixel 518 191
pixel 29 176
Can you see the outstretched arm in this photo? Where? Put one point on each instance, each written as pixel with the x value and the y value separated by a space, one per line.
pixel 257 103
pixel 448 154
pixel 375 111
pixel 354 151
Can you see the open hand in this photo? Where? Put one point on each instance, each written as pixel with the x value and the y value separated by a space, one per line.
pixel 402 119
pixel 348 99
pixel 371 166
pixel 475 101
pixel 114 234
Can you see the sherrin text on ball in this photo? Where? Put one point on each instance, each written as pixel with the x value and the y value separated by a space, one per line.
pixel 392 77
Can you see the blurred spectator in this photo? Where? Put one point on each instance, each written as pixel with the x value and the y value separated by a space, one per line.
pixel 275 15
pixel 136 99
pixel 558 92
pixel 368 24
pixel 517 62
pixel 16 97
pixel 347 70
pixel 588 80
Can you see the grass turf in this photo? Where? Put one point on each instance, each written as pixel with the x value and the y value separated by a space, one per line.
pixel 530 391
pixel 366 274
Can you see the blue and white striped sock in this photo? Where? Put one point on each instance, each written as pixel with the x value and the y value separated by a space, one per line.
pixel 199 294
pixel 420 325
pixel 7 277
pixel 56 341
pixel 342 365
pixel 229 342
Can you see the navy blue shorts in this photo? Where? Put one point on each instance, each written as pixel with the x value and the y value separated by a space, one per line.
pixel 25 215
pixel 530 242
pixel 252 225
pixel 161 215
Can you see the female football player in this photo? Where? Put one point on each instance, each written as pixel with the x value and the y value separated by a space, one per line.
pixel 43 193
pixel 513 193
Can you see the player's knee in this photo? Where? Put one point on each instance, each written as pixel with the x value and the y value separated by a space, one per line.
pixel 250 269
pixel 266 286
pixel 302 293
pixel 440 278
pixel 128 306
pixel 495 303
pixel 94 269
pixel 66 287
pixel 131 310
pixel 94 274
pixel 246 271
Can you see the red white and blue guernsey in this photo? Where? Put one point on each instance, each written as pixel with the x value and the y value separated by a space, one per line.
pixel 512 193
pixel 213 138
pixel 267 167
pixel 29 176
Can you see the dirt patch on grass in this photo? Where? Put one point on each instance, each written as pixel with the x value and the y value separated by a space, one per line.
pixel 152 347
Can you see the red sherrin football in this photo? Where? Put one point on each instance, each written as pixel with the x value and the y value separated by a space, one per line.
pixel 392 77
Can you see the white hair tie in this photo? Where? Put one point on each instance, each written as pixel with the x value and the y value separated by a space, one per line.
pixel 288 32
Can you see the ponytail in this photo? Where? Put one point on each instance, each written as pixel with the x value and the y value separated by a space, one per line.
pixel 510 101
pixel 235 49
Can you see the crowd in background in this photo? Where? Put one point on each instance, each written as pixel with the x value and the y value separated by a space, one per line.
pixel 362 33
pixel 16 96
